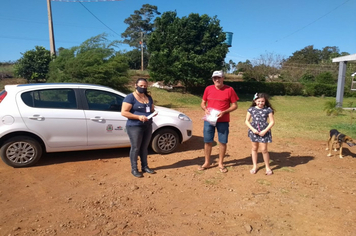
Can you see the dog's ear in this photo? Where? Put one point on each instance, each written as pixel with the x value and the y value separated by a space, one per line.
pixel 348 139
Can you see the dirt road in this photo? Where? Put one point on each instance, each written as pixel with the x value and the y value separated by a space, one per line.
pixel 93 192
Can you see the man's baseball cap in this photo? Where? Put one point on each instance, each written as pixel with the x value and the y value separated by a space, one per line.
pixel 218 73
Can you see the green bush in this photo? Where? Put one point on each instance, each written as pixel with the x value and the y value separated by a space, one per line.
pixel 325 78
pixel 318 89
pixel 281 88
pixel 307 78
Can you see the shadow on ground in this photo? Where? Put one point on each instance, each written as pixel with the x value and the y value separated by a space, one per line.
pixel 194 143
pixel 279 160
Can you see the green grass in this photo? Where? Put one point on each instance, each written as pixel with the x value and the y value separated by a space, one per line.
pixel 8 69
pixel 174 99
pixel 305 117
pixel 138 73
pixel 295 117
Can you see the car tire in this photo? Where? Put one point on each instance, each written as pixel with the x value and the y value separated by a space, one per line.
pixel 21 151
pixel 165 141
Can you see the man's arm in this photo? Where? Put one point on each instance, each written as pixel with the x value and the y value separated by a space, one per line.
pixel 203 105
pixel 232 107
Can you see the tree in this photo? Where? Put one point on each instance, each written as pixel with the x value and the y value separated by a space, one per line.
pixel 231 66
pixel 95 61
pixel 186 49
pixel 265 68
pixel 34 65
pixel 307 55
pixel 140 22
pixel 134 59
pixel 243 66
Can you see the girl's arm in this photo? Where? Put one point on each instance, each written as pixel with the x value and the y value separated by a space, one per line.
pixel 270 125
pixel 247 123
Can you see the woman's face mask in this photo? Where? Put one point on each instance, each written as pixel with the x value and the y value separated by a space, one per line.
pixel 141 90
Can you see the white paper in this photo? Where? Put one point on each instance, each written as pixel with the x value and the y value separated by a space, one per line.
pixel 152 115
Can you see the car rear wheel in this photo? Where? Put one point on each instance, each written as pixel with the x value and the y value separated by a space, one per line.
pixel 21 151
pixel 165 141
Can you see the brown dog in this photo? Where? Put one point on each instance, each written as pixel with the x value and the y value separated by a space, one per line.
pixel 338 138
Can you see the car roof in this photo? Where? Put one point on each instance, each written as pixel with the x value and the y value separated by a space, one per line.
pixel 60 85
pixel 21 87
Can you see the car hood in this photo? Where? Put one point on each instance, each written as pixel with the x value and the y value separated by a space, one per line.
pixel 166 111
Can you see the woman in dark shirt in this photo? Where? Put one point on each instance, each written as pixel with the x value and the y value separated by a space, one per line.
pixel 136 107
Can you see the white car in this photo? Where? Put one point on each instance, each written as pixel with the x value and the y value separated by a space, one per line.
pixel 38 118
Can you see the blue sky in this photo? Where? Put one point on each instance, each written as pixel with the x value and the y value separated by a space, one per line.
pixel 280 27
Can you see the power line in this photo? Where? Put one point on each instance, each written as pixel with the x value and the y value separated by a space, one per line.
pixel 308 24
pixel 97 17
pixel 315 20
pixel 84 0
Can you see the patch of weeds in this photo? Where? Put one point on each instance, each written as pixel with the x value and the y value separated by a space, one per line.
pixel 214 180
pixel 264 182
pixel 284 190
pixel 199 172
pixel 286 169
pixel 332 108
pixel 210 181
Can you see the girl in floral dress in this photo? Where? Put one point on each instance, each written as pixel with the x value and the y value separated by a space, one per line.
pixel 259 129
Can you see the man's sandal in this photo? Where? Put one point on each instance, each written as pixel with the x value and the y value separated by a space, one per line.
pixel 202 168
pixel 223 169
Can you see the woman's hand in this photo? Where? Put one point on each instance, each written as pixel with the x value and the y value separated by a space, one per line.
pixel 143 118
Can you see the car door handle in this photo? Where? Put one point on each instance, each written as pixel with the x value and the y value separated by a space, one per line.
pixel 97 118
pixel 36 117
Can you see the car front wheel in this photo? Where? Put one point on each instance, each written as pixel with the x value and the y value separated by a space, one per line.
pixel 21 151
pixel 165 141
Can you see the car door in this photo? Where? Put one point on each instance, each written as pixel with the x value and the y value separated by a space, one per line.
pixel 53 115
pixel 106 125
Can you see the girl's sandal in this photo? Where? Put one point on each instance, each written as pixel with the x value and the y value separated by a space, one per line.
pixel 269 172
pixel 252 171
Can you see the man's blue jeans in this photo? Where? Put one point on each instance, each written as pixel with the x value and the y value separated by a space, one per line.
pixel 140 137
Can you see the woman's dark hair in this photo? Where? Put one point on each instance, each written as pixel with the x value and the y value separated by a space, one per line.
pixel 145 80
pixel 139 79
pixel 265 96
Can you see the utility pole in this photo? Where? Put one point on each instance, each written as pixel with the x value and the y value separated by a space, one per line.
pixel 141 42
pixel 50 25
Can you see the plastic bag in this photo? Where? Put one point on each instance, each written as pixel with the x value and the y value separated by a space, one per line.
pixel 212 117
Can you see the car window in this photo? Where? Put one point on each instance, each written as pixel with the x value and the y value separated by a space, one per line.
pixel 103 101
pixel 51 98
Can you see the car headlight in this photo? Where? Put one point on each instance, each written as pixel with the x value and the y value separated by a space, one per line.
pixel 183 117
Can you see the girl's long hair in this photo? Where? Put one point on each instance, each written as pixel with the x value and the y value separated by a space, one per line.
pixel 265 96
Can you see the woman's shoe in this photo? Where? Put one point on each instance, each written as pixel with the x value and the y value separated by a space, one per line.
pixel 136 173
pixel 269 172
pixel 148 170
